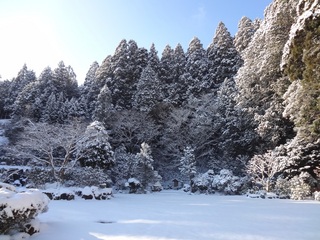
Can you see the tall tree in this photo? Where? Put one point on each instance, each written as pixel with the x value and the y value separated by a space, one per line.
pixel 89 91
pixel 144 170
pixel 259 87
pixel 188 164
pixel 4 94
pixel 243 37
pixel 167 73
pixel 149 90
pixel 224 58
pixel 197 66
pixel 65 80
pixel 23 78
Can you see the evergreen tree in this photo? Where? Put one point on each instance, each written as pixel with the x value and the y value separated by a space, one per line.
pixel 224 58
pixel 176 90
pixel 89 91
pixel 4 94
pixel 54 111
pixel 144 170
pixel 23 78
pixel 149 90
pixel 103 105
pixel 153 59
pixel 123 73
pixel 180 61
pixel 64 80
pixel 246 30
pixel 197 66
pixel 188 164
pixel 167 74
pixel 94 148
pixel 260 87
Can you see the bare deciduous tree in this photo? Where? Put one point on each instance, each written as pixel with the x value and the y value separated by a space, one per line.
pixel 263 168
pixel 54 145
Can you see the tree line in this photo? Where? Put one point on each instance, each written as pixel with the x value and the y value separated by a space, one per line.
pixel 243 102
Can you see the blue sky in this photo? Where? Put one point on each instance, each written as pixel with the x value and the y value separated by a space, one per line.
pixel 41 33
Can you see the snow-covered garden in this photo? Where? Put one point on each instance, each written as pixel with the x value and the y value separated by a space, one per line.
pixel 169 215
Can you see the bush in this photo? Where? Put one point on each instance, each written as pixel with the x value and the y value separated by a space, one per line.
pixel 39 176
pixel 225 183
pixel 299 189
pixel 19 209
pixel 283 188
pixel 87 176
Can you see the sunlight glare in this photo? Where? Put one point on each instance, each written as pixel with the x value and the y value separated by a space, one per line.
pixel 29 39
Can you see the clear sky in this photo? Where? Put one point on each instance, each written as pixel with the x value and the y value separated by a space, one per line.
pixel 41 33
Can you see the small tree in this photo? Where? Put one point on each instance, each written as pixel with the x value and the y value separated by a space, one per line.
pixel 263 168
pixel 188 164
pixel 144 170
pixel 94 148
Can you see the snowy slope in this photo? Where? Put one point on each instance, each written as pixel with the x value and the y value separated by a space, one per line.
pixel 176 215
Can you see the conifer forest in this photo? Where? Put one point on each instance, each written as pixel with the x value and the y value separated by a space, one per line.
pixel 245 109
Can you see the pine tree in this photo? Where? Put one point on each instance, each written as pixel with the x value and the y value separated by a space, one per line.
pixel 153 59
pixel 246 30
pixel 121 73
pixel 54 109
pixel 149 90
pixel 188 164
pixel 23 78
pixel 176 91
pixel 64 79
pixel 224 58
pixel 94 149
pixel 4 94
pixel 167 73
pixel 89 91
pixel 260 80
pixel 103 105
pixel 197 66
pixel 144 170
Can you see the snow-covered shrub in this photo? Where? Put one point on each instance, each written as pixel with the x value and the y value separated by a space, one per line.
pixel 283 188
pixel 39 176
pixel 134 185
pixel 227 183
pixel 203 183
pixel 299 189
pixel 59 193
pixel 87 193
pixel 87 176
pixel 18 209
pixel 316 195
pixel 101 193
pixel 157 187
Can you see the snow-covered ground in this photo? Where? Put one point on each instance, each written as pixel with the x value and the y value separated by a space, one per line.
pixel 176 215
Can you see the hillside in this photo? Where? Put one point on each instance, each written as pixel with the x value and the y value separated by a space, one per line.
pixel 247 104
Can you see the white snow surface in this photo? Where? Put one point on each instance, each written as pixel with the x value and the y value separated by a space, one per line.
pixel 175 215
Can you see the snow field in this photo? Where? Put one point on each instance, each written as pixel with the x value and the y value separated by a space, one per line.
pixel 175 215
